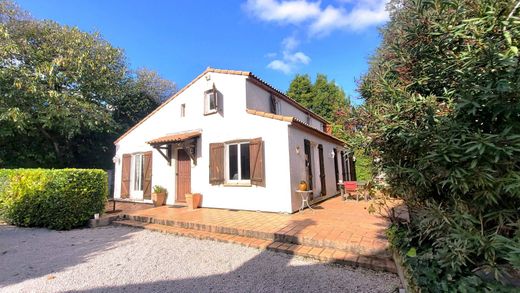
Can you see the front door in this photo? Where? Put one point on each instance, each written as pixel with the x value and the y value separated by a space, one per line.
pixel 183 175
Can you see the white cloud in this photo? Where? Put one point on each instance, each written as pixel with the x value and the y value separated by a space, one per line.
pixel 347 15
pixel 290 59
pixel 280 66
pixel 294 11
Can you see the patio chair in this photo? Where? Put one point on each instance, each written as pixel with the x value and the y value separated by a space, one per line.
pixel 350 188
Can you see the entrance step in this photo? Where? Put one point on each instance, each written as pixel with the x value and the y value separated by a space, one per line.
pixel 329 255
pixel 349 243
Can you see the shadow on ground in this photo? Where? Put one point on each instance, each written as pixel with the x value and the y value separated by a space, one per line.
pixel 187 269
pixel 27 253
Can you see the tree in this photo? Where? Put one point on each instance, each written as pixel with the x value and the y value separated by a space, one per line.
pixel 144 91
pixel 443 106
pixel 65 95
pixel 323 97
pixel 300 89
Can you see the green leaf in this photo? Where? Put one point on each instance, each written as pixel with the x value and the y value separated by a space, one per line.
pixel 411 252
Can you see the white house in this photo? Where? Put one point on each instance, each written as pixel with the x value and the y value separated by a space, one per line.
pixel 236 140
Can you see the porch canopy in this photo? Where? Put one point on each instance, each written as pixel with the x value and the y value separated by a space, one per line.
pixel 185 140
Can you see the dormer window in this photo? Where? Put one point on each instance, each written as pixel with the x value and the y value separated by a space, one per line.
pixel 211 101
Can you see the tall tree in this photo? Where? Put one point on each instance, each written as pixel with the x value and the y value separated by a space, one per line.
pixel 62 92
pixel 300 89
pixel 323 97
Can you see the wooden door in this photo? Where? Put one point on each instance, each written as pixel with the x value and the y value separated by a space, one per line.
pixel 183 175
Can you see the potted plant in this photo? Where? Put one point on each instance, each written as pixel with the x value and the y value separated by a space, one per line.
pixel 158 195
pixel 303 186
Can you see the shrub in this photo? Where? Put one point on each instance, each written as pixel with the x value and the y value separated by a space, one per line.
pixel 363 166
pixel 443 97
pixel 58 199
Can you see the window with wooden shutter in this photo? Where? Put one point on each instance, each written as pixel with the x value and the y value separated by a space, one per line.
pixel 256 155
pixel 147 187
pixel 343 166
pixel 274 105
pixel 216 163
pixel 125 176
pixel 336 168
pixel 322 170
pixel 308 163
pixel 211 101
pixel 352 167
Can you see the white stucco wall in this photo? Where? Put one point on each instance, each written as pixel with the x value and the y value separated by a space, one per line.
pixel 259 99
pixel 230 124
pixel 297 163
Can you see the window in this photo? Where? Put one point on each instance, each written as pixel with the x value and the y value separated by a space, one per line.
pixel 308 119
pixel 211 101
pixel 274 105
pixel 237 163
pixel 137 172
pixel 183 110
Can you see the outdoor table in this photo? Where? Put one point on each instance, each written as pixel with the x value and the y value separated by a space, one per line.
pixel 305 198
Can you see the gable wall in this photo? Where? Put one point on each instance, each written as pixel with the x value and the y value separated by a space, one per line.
pixel 230 124
pixel 260 99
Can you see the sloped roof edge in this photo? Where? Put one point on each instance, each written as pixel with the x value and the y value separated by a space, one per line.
pixel 223 71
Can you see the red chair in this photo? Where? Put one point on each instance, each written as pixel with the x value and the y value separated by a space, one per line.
pixel 351 187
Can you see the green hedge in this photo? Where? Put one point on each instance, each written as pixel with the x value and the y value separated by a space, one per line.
pixel 58 199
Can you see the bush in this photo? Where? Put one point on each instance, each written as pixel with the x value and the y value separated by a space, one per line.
pixel 58 199
pixel 363 166
pixel 443 102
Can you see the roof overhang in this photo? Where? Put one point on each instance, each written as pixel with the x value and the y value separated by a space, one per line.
pixel 174 138
pixel 184 140
pixel 298 124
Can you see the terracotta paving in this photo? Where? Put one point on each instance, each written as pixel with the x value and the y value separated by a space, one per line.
pixel 336 224
pixel 118 207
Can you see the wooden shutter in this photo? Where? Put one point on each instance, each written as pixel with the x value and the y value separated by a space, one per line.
pixel 308 163
pixel 147 180
pixel 336 168
pixel 343 166
pixel 216 163
pixel 125 176
pixel 215 95
pixel 352 168
pixel 256 161
pixel 273 104
pixel 322 170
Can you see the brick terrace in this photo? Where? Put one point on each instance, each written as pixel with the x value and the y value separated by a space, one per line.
pixel 336 230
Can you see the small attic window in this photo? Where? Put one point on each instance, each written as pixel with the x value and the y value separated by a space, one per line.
pixel 274 104
pixel 183 110
pixel 211 101
pixel 308 119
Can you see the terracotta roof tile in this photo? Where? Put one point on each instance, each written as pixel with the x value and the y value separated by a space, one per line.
pixel 174 137
pixel 297 123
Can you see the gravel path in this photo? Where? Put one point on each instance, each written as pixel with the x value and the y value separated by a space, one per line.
pixel 120 259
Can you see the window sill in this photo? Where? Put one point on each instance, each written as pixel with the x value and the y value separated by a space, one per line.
pixel 210 112
pixel 238 185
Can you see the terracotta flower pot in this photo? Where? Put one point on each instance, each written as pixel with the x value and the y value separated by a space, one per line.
pixel 158 199
pixel 193 200
pixel 303 186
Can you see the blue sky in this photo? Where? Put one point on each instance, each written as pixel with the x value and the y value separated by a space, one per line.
pixel 275 39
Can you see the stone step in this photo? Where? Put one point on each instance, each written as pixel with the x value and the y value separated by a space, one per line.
pixel 329 255
pixel 376 248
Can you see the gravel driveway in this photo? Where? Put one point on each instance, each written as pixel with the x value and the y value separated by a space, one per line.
pixel 120 259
